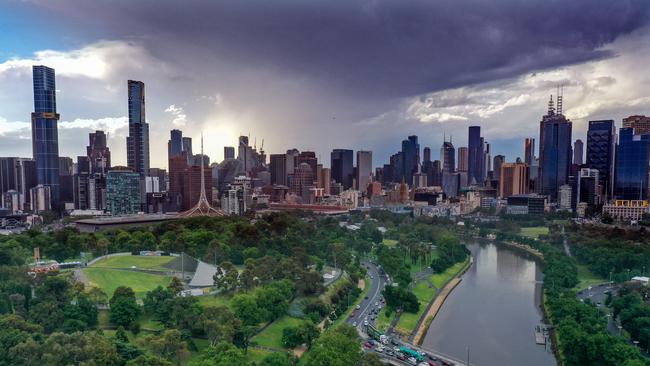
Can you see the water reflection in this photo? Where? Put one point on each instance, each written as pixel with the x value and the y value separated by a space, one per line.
pixel 494 311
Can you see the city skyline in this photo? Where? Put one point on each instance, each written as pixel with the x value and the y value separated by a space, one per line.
pixel 276 102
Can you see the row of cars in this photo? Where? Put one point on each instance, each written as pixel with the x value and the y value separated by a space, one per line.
pixel 404 354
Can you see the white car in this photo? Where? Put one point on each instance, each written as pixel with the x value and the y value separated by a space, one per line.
pixel 412 361
pixel 358 307
pixel 365 322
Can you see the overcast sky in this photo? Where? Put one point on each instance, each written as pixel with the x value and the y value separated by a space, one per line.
pixel 318 75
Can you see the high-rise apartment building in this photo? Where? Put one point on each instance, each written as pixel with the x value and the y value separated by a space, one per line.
pixel 137 143
pixel 17 175
pixel 554 150
pixel 578 152
pixel 410 158
pixel 364 169
pixel 342 167
pixel 601 148
pixel 462 159
pixel 475 156
pixel 45 138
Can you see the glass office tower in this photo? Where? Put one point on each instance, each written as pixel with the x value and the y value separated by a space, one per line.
pixel 632 161
pixel 601 145
pixel 342 167
pixel 137 143
pixel 555 152
pixel 475 154
pixel 45 139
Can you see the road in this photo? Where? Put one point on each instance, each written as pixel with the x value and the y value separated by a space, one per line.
pixel 597 294
pixel 368 309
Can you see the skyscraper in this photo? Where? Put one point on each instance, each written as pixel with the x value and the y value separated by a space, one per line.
pixel 123 191
pixel 554 150
pixel 426 154
pixel 98 153
pixel 601 147
pixel 640 124
pixel 529 150
pixel 514 179
pixel 632 165
pixel 137 143
pixel 342 167
pixel 462 159
pixel 45 138
pixel 410 158
pixel 475 164
pixel 499 160
pixel 228 152
pixel 448 157
pixel 578 152
pixel 175 144
pixel 279 169
pixel 364 169
pixel 186 143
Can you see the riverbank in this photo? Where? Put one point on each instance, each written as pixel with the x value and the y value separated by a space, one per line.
pixel 436 303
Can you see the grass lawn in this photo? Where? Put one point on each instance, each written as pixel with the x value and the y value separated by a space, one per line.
pixel 587 278
pixel 408 321
pixel 213 301
pixel 390 242
pixel 272 335
pixel 256 355
pixel 110 279
pixel 128 261
pixel 534 232
pixel 382 322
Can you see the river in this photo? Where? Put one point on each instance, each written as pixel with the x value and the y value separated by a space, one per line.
pixel 493 311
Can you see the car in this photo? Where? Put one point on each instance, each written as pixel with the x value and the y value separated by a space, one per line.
pixel 366 297
pixel 431 363
pixel 394 342
pixel 354 324
pixel 358 307
pixel 412 361
pixel 367 345
pixel 433 358
pixel 423 364
pixel 390 352
pixel 376 304
pixel 365 322
pixel 400 356
pixel 372 277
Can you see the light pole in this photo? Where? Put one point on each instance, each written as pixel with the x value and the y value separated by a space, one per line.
pixel 467 355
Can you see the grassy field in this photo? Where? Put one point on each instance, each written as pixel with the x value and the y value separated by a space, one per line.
pixel 587 278
pixel 390 242
pixel 213 301
pixel 129 261
pixel 110 279
pixel 408 321
pixel 534 232
pixel 256 355
pixel 272 335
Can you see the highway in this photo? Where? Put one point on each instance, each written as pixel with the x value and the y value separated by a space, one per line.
pixel 365 312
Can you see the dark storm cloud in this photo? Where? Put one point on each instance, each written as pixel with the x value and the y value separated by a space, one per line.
pixel 370 48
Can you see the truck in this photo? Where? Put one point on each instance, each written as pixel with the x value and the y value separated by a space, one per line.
pixel 411 353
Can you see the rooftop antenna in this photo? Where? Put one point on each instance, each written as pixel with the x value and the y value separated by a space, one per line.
pixel 444 137
pixel 560 92
pixel 551 108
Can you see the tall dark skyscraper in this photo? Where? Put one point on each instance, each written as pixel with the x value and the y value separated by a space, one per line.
pixel 45 138
pixel 601 147
pixel 137 143
pixel 475 154
pixel 448 157
pixel 175 144
pixel 278 168
pixel 554 150
pixel 342 167
pixel 411 158
pixel 98 153
pixel 632 165
pixel 578 152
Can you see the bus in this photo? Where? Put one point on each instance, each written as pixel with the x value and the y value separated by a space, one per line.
pixel 411 353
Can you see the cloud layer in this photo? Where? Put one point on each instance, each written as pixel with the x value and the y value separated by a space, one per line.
pixel 321 75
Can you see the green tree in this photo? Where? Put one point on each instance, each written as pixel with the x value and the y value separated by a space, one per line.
pixel 169 345
pixel 337 347
pixel 223 354
pixel 371 359
pixel 124 309
pixel 247 309
pixel 277 359
pixel 175 286
pixel 219 324
pixel 147 360
pixel 227 277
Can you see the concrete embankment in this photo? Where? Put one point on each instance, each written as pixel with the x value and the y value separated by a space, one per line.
pixel 437 303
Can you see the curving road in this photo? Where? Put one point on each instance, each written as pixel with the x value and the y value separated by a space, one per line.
pixel 366 311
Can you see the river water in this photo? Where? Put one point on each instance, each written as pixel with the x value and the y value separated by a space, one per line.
pixel 493 311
